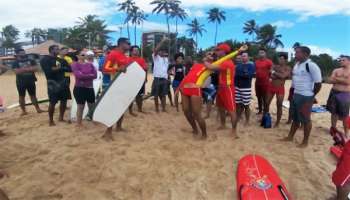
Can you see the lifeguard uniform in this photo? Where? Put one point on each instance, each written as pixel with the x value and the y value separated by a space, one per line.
pixel 194 80
pixel 263 68
pixel 341 175
pixel 226 89
pixel 114 61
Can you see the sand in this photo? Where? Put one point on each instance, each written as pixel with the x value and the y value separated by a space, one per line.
pixel 156 159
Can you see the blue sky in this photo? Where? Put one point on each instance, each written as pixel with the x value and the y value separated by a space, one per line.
pixel 324 25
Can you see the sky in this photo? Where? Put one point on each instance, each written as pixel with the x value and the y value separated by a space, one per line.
pixel 323 25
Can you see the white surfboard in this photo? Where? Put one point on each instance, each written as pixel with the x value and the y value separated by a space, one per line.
pixel 118 96
pixel 97 84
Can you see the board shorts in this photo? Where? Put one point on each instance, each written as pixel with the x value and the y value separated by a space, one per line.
pixel 226 98
pixel 291 93
pixel 191 92
pixel 175 84
pixel 338 103
pixel 160 87
pixel 209 94
pixel 142 90
pixel 58 91
pixel 30 87
pixel 301 108
pixel 261 87
pixel 341 175
pixel 84 95
pixel 278 90
pixel 243 96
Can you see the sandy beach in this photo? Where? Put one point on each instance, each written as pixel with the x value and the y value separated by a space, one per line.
pixel 156 159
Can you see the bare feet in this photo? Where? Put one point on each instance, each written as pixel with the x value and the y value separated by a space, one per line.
pixel 52 124
pixel 3 174
pixel 222 128
pixel 24 113
pixel 287 139
pixel 204 137
pixel 289 122
pixel 41 111
pixel 120 129
pixel 207 117
pixel 108 136
pixel 276 125
pixel 133 114
pixel 303 145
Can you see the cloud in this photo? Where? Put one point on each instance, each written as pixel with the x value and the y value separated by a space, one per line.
pixel 195 13
pixel 151 26
pixel 315 50
pixel 283 24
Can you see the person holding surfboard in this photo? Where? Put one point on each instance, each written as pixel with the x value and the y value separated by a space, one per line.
pixel 307 82
pixel 263 67
pixel 338 102
pixel 160 85
pixel 280 73
pixel 225 99
pixel 135 57
pixel 117 62
pixel 84 73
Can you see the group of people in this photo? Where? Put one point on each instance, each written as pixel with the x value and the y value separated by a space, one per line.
pixel 227 82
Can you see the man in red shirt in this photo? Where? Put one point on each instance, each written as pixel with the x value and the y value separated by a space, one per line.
pixel 135 57
pixel 117 61
pixel 226 89
pixel 263 67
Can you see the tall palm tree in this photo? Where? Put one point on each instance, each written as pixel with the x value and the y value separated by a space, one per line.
pixel 75 38
pixel 215 15
pixel 251 28
pixel 95 29
pixel 267 36
pixel 179 14
pixel 194 29
pixel 137 16
pixel 127 7
pixel 37 35
pixel 10 35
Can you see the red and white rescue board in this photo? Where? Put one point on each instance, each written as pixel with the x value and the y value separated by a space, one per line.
pixel 337 151
pixel 258 180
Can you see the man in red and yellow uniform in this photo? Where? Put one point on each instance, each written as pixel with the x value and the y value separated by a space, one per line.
pixel 226 89
pixel 135 57
pixel 263 67
pixel 117 61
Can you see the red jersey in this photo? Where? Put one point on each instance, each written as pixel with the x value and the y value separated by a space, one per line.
pixel 115 60
pixel 139 61
pixel 227 73
pixel 197 75
pixel 341 176
pixel 263 68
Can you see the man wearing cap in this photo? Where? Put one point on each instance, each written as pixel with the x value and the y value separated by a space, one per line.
pixel 226 95
pixel 117 61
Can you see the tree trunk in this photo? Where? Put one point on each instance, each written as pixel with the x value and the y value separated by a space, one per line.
pixel 127 27
pixel 167 21
pixel 135 34
pixel 176 49
pixel 196 43
pixel 216 32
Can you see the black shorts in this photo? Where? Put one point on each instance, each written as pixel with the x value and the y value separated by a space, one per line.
pixel 83 95
pixel 142 90
pixel 63 95
pixel 338 103
pixel 23 87
pixel 160 87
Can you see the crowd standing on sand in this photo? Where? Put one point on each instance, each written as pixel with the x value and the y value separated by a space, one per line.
pixel 228 83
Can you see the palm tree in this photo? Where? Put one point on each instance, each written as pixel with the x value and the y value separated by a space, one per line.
pixel 166 7
pixel 10 36
pixel 251 28
pixel 215 15
pixel 127 7
pixel 267 36
pixel 179 14
pixel 76 38
pixel 195 28
pixel 137 16
pixel 37 35
pixel 95 29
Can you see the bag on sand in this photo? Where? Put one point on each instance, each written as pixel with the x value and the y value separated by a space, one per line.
pixel 266 121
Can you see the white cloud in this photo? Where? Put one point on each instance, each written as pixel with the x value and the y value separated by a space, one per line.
pixel 315 50
pixel 283 24
pixel 195 13
pixel 150 26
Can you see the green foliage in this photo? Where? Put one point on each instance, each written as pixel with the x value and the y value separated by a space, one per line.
pixel 10 35
pixel 37 35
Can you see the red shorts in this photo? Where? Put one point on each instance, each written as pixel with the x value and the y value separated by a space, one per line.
pixel 191 91
pixel 341 175
pixel 226 98
pixel 278 90
pixel 261 87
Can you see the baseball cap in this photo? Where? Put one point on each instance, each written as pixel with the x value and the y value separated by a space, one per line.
pixel 224 47
pixel 90 53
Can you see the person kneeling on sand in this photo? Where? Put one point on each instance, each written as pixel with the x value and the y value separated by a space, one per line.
pixel 339 98
pixel 341 176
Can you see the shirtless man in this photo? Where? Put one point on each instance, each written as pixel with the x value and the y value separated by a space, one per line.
pixel 278 78
pixel 339 98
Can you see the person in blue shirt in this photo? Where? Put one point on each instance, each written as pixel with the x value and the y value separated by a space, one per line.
pixel 245 72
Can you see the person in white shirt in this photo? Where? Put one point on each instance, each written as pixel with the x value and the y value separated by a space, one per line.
pixel 160 85
pixel 307 82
